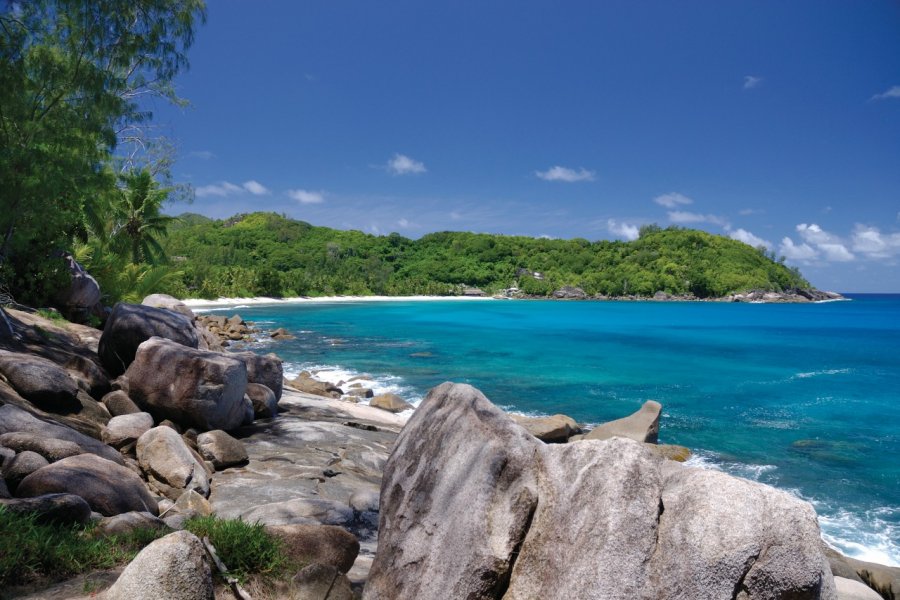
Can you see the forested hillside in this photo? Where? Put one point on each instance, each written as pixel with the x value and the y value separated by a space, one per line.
pixel 268 254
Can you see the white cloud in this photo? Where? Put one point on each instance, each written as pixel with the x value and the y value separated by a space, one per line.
pixel 566 174
pixel 830 246
pixel 801 253
pixel 742 235
pixel 679 216
pixel 814 234
pixel 256 188
pixel 751 81
pixel 223 188
pixel 874 244
pixel 306 196
pixel 836 252
pixel 672 200
pixel 623 230
pixel 892 92
pixel 400 164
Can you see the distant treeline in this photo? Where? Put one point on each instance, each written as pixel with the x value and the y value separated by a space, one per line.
pixel 265 254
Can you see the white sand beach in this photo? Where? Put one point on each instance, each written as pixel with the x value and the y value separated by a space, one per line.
pixel 196 303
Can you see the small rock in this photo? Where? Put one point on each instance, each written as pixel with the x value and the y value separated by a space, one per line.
pixel 555 429
pixel 671 451
pixel 265 404
pixel 50 448
pixel 21 466
pixel 5 455
pixel 118 403
pixel 52 508
pixel 191 504
pixel 642 426
pixel 125 523
pixel 848 589
pixel 360 392
pixel 320 582
pixel 323 544
pixel 126 429
pixel 173 567
pixel 390 402
pixel 364 501
pixel 169 464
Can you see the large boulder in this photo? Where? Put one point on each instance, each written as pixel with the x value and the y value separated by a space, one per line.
pixel 109 488
pixel 193 388
pixel 221 449
pixel 597 519
pixel 64 509
pixel 169 464
pixel 13 418
pixel 263 369
pixel 173 567
pixel 130 325
pixel 40 381
pixel 323 544
pixel 169 303
pixel 50 448
pixel 82 294
pixel 641 426
pixel 850 589
pixel 457 495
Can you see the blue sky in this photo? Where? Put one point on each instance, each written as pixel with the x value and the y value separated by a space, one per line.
pixel 773 122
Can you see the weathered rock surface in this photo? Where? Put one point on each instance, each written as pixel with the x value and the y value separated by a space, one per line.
pixel 305 383
pixel 883 579
pixel 21 466
pixel 192 504
pixel 52 508
pixel 569 292
pixel 169 464
pixel 81 295
pixel 265 369
pixel 130 521
pixel 13 418
pixel 670 451
pixel 130 325
pixel 109 488
pixel 221 449
pixel 554 429
pixel 265 404
pixel 642 426
pixel 597 519
pixel 173 567
pixel 126 429
pixel 323 544
pixel 390 402
pixel 194 388
pixel 169 303
pixel 459 456
pixel 118 403
pixel 849 589
pixel 40 381
pixel 320 582
pixel 50 448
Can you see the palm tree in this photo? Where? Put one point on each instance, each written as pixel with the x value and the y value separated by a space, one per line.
pixel 137 222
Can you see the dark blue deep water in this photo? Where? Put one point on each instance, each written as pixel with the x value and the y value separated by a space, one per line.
pixel 805 397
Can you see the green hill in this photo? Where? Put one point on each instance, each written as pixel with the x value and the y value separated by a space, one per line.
pixel 269 254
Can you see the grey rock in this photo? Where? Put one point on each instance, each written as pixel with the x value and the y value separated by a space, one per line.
pixel 849 589
pixel 307 384
pixel 87 374
pixel 107 487
pixel 5 455
pixel 52 508
pixel 50 448
pixel 40 381
pixel 390 402
pixel 364 501
pixel 169 303
pixel 221 449
pixel 82 293
pixel 192 504
pixel 883 579
pixel 4 491
pixel 118 403
pixel 323 544
pixel 265 404
pixel 13 418
pixel 173 567
pixel 360 392
pixel 126 429
pixel 128 522
pixel 130 325
pixel 169 464
pixel 458 455
pixel 301 511
pixel 597 519
pixel 320 582
pixel 21 466
pixel 554 429
pixel 193 388
pixel 265 369
pixel 569 292
pixel 641 426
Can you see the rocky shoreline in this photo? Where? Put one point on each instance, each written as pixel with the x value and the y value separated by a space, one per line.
pixel 150 421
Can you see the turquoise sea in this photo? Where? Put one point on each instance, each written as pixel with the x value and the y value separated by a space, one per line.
pixel 805 397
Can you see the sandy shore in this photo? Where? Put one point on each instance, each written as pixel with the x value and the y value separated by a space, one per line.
pixel 262 301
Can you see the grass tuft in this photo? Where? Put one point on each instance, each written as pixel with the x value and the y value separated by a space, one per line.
pixel 245 548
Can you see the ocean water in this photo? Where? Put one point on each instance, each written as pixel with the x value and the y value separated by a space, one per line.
pixel 805 397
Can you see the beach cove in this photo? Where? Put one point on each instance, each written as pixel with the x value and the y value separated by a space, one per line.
pixel 794 396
